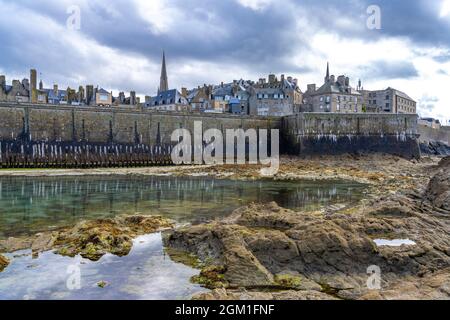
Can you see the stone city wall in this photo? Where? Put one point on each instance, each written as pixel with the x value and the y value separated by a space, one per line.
pixel 334 133
pixel 428 134
pixel 100 136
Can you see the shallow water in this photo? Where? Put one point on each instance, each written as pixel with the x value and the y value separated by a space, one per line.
pixel 394 243
pixel 146 273
pixel 30 205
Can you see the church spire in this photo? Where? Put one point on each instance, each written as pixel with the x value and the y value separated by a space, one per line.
pixel 327 77
pixel 164 82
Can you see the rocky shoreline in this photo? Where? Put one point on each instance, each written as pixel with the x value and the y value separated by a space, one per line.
pixel 268 252
pixel 263 251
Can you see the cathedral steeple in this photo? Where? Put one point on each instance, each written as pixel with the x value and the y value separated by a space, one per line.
pixel 327 77
pixel 164 81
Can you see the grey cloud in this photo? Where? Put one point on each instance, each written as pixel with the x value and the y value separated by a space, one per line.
pixel 216 32
pixel 428 103
pixel 380 70
pixel 442 58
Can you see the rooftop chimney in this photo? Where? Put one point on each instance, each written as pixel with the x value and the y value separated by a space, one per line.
pixel 271 78
pixel 133 98
pixel 341 80
pixel 311 88
pixel 26 84
pixel 33 86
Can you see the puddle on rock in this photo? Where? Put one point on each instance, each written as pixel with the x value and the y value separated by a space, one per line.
pixel 394 243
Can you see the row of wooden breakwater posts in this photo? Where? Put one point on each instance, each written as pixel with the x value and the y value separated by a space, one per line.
pixel 20 154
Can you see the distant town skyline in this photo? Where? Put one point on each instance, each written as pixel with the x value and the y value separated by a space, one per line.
pixel 119 45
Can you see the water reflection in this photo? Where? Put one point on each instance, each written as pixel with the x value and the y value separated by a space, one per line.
pixel 146 273
pixel 30 205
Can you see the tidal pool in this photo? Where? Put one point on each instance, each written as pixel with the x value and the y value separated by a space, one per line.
pixel 394 243
pixel 31 205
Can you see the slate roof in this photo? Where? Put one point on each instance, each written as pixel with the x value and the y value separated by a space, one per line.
pixel 103 91
pixel 166 97
pixel 335 87
pixel 226 90
pixel 401 94
pixel 51 94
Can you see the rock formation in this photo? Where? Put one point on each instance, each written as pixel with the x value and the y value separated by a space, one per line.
pixel 3 263
pixel 327 254
pixel 91 239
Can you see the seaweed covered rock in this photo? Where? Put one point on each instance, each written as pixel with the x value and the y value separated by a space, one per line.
pixel 91 239
pixel 4 262
pixel 94 239
pixel 261 247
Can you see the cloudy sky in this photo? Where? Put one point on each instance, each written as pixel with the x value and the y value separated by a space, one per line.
pixel 119 43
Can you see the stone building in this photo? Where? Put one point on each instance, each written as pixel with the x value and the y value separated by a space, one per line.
pixel 200 99
pixel 171 100
pixel 241 102
pixel 430 122
pixel 103 98
pixel 16 92
pixel 56 96
pixel 221 96
pixel 389 101
pixel 124 102
pixel 275 97
pixel 335 95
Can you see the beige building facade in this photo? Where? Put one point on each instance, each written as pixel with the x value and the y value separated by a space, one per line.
pixel 389 100
pixel 334 96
